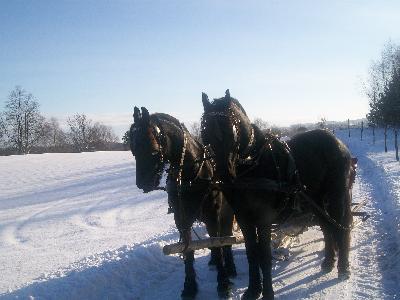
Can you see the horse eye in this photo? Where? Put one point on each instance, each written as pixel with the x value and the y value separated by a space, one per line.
pixel 154 153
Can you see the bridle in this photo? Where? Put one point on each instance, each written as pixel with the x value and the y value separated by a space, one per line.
pixel 237 155
pixel 161 145
pixel 175 171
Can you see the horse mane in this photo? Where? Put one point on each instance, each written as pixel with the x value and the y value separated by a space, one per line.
pixel 223 103
pixel 159 117
pixel 163 116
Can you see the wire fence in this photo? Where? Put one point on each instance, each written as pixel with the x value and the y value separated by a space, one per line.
pixel 386 137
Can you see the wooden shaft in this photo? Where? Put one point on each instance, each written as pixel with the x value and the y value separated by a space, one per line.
pixel 205 243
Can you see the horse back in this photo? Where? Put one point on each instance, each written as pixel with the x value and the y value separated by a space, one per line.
pixel 322 160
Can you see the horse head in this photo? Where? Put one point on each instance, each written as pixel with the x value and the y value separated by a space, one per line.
pixel 147 143
pixel 228 131
pixel 159 139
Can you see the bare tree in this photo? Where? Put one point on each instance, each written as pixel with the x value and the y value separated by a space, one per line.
pixel 54 136
pixel 79 126
pixel 101 136
pixel 195 130
pixel 22 123
pixel 86 136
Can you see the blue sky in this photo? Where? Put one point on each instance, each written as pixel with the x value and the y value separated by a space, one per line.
pixel 286 61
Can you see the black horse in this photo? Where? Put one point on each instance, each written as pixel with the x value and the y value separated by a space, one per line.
pixel 159 140
pixel 270 180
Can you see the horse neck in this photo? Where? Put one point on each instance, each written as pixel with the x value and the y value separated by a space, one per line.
pixel 246 137
pixel 177 138
pixel 274 159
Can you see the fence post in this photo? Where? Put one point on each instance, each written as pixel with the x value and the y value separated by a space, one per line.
pixel 396 145
pixel 362 129
pixel 373 135
pixel 385 138
pixel 348 126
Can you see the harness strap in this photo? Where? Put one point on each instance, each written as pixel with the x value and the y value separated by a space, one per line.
pixel 324 213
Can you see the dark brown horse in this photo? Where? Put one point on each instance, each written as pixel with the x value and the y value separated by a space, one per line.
pixel 268 180
pixel 158 140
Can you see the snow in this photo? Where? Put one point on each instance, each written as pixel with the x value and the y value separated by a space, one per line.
pixel 74 226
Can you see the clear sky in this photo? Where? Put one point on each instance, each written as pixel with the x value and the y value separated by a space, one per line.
pixel 286 61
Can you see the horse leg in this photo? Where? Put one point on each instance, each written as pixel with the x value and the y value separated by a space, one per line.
pixel 343 254
pixel 229 262
pixel 250 237
pixel 215 252
pixel 224 285
pixel 226 221
pixel 210 218
pixel 264 248
pixel 339 201
pixel 329 259
pixel 211 221
pixel 343 238
pixel 190 286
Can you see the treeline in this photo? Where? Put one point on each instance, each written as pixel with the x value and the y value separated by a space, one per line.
pixel 383 89
pixel 23 129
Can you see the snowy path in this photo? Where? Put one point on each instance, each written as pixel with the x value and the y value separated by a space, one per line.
pixel 74 226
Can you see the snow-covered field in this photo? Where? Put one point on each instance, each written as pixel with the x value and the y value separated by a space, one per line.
pixel 74 226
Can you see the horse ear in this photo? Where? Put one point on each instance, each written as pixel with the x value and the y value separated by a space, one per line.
pixel 227 94
pixel 136 115
pixel 145 115
pixel 206 102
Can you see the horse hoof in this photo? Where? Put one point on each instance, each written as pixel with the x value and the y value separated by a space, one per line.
pixel 251 294
pixel 344 273
pixel 224 290
pixel 327 265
